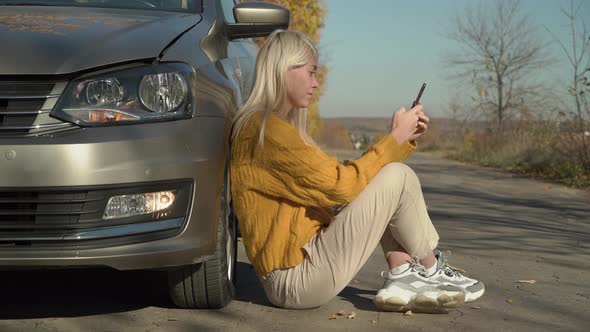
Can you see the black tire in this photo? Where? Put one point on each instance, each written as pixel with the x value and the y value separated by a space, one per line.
pixel 211 284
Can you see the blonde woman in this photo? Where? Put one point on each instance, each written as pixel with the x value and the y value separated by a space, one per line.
pixel 285 190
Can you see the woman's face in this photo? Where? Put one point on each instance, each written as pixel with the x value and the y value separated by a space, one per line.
pixel 301 82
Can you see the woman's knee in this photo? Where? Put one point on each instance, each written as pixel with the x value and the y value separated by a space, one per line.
pixel 399 172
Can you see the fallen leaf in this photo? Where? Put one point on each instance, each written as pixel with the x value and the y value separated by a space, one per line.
pixel 409 313
pixel 475 307
pixel 509 301
pixel 341 313
pixel 526 281
pixel 352 315
pixel 547 187
pixel 333 316
pixel 373 321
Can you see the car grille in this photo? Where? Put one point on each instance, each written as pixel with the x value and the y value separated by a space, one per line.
pixel 25 107
pixel 56 210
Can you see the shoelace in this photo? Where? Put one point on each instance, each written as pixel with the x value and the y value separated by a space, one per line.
pixel 414 265
pixel 448 268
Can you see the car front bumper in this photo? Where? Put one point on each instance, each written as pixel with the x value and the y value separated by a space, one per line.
pixel 192 150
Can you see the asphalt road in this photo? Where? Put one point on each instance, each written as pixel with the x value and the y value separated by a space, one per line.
pixel 500 227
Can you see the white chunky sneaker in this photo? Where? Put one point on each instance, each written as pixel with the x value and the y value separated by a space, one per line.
pixel 412 290
pixel 448 275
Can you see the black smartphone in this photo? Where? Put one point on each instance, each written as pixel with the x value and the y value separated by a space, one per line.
pixel 419 95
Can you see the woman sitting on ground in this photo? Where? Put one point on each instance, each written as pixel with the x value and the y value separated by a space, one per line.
pixel 285 190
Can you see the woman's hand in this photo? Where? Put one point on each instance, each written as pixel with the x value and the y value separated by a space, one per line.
pixel 408 125
pixel 422 125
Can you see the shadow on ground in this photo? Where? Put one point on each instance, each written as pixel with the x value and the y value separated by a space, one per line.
pixel 74 293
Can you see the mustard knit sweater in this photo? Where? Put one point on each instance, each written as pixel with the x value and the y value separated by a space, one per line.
pixel 283 193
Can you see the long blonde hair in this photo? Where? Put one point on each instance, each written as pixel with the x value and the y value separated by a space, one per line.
pixel 283 50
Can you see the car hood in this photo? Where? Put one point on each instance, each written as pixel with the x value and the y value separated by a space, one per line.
pixel 63 40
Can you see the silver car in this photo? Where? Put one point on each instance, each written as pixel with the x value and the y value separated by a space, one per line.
pixel 114 125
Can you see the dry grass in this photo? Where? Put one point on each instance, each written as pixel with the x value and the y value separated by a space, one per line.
pixel 537 149
pixel 540 150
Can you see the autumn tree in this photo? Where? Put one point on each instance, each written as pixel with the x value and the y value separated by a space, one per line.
pixel 308 16
pixel 334 136
pixel 499 54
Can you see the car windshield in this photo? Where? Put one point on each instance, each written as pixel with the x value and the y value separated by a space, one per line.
pixel 188 6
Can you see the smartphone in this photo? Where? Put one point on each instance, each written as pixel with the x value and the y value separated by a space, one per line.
pixel 419 95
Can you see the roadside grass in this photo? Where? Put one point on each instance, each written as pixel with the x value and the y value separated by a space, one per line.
pixel 539 150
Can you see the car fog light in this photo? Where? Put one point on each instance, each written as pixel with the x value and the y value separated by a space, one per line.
pixel 138 204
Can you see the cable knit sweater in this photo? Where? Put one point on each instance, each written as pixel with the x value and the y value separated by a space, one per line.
pixel 283 192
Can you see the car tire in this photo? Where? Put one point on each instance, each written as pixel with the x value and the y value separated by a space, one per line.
pixel 210 284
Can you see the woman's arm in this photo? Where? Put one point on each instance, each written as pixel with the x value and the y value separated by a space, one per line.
pixel 306 175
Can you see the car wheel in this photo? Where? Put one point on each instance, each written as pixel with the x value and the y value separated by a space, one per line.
pixel 210 284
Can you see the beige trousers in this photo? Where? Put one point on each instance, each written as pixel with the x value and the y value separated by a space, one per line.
pixel 390 210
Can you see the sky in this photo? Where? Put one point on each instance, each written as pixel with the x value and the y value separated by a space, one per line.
pixel 379 52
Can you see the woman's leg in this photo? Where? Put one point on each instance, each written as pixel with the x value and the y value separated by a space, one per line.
pixel 399 246
pixel 396 255
pixel 392 200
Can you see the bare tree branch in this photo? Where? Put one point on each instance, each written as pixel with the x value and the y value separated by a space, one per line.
pixel 577 53
pixel 499 54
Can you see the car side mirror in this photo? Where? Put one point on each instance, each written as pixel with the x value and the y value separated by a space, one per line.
pixel 257 19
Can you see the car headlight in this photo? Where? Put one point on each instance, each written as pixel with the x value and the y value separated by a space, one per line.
pixel 142 94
